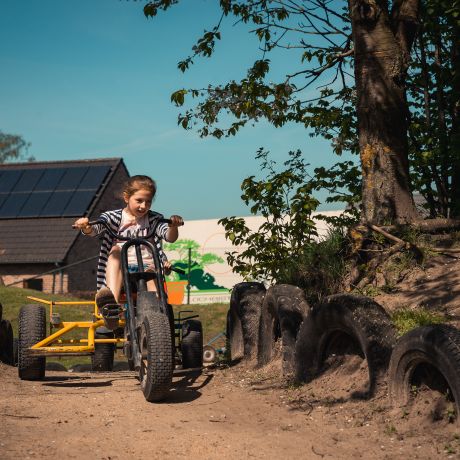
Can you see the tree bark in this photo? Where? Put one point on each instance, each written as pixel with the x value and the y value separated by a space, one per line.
pixel 382 46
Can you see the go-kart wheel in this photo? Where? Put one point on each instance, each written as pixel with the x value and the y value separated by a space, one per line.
pixel 6 342
pixel 32 329
pixel 192 344
pixel 15 351
pixel 209 354
pixel 157 363
pixel 102 359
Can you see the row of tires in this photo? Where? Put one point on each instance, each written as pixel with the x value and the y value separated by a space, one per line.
pixel 262 324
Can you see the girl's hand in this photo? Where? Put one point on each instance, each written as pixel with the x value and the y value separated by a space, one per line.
pixel 167 267
pixel 83 224
pixel 176 221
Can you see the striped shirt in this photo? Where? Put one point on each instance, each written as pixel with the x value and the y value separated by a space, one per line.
pixel 113 219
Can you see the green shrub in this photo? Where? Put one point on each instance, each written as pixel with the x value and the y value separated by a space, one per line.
pixel 406 319
pixel 320 268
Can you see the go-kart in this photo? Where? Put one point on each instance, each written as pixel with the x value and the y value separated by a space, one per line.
pixel 153 341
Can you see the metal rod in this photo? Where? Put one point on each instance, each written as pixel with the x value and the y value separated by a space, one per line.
pixel 55 270
pixel 188 274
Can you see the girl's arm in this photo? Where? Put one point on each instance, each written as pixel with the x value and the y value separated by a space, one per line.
pixel 173 233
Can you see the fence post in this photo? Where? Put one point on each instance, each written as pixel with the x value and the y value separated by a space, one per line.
pixel 188 274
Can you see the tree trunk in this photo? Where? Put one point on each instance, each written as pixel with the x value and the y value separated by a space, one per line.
pixel 381 52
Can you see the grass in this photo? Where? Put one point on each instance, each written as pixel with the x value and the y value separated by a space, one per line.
pixel 212 316
pixel 406 319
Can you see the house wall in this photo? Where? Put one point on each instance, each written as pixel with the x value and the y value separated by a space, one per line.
pixel 17 273
pixel 81 278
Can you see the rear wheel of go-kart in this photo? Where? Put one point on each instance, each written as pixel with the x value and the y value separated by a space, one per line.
pixel 157 362
pixel 102 359
pixel 192 344
pixel 32 329
pixel 6 342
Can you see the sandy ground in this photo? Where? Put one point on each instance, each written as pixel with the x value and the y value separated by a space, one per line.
pixel 234 412
pixel 229 413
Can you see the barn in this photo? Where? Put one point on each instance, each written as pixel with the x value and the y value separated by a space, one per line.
pixel 39 201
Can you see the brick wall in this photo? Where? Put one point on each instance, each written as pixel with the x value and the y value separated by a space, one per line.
pixel 17 273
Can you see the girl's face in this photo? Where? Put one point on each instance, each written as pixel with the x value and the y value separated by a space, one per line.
pixel 139 202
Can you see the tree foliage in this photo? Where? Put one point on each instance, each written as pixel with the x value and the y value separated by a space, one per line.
pixel 331 43
pixel 13 148
pixel 285 201
pixel 433 91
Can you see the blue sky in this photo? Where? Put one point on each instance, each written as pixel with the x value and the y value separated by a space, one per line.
pixel 93 79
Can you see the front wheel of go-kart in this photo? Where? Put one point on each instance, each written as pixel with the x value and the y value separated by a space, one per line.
pixel 192 344
pixel 102 359
pixel 32 329
pixel 157 362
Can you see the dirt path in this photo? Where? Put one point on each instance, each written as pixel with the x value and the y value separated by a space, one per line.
pixel 233 413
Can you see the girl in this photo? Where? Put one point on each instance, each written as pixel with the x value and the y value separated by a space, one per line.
pixel 135 219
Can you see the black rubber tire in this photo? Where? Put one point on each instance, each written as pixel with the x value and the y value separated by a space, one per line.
pixel 283 310
pixel 192 344
pixel 15 351
pixel 6 343
pixel 32 329
pixel 209 354
pixel 243 319
pixel 157 363
pixel 437 345
pixel 128 352
pixel 347 316
pixel 102 359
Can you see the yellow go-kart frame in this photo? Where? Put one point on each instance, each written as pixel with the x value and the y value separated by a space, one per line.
pixel 55 345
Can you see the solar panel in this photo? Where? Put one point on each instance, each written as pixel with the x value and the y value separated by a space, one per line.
pixel 56 204
pixel 49 192
pixel 94 177
pixel 50 179
pixel 71 178
pixel 28 180
pixel 79 203
pixel 35 203
pixel 3 197
pixel 13 205
pixel 9 179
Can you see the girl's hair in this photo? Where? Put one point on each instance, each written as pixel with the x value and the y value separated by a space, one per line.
pixel 136 183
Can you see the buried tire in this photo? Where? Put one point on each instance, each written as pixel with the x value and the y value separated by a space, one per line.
pixel 157 362
pixel 348 324
pixel 32 329
pixel 243 319
pixel 283 310
pixel 429 355
pixel 192 344
pixel 102 359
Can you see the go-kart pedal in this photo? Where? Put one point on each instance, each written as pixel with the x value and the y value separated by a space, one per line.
pixel 108 308
pixel 111 315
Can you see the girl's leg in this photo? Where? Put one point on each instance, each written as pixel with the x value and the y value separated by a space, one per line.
pixel 113 275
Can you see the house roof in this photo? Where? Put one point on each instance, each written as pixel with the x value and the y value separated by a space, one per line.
pixel 35 240
pixel 39 201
